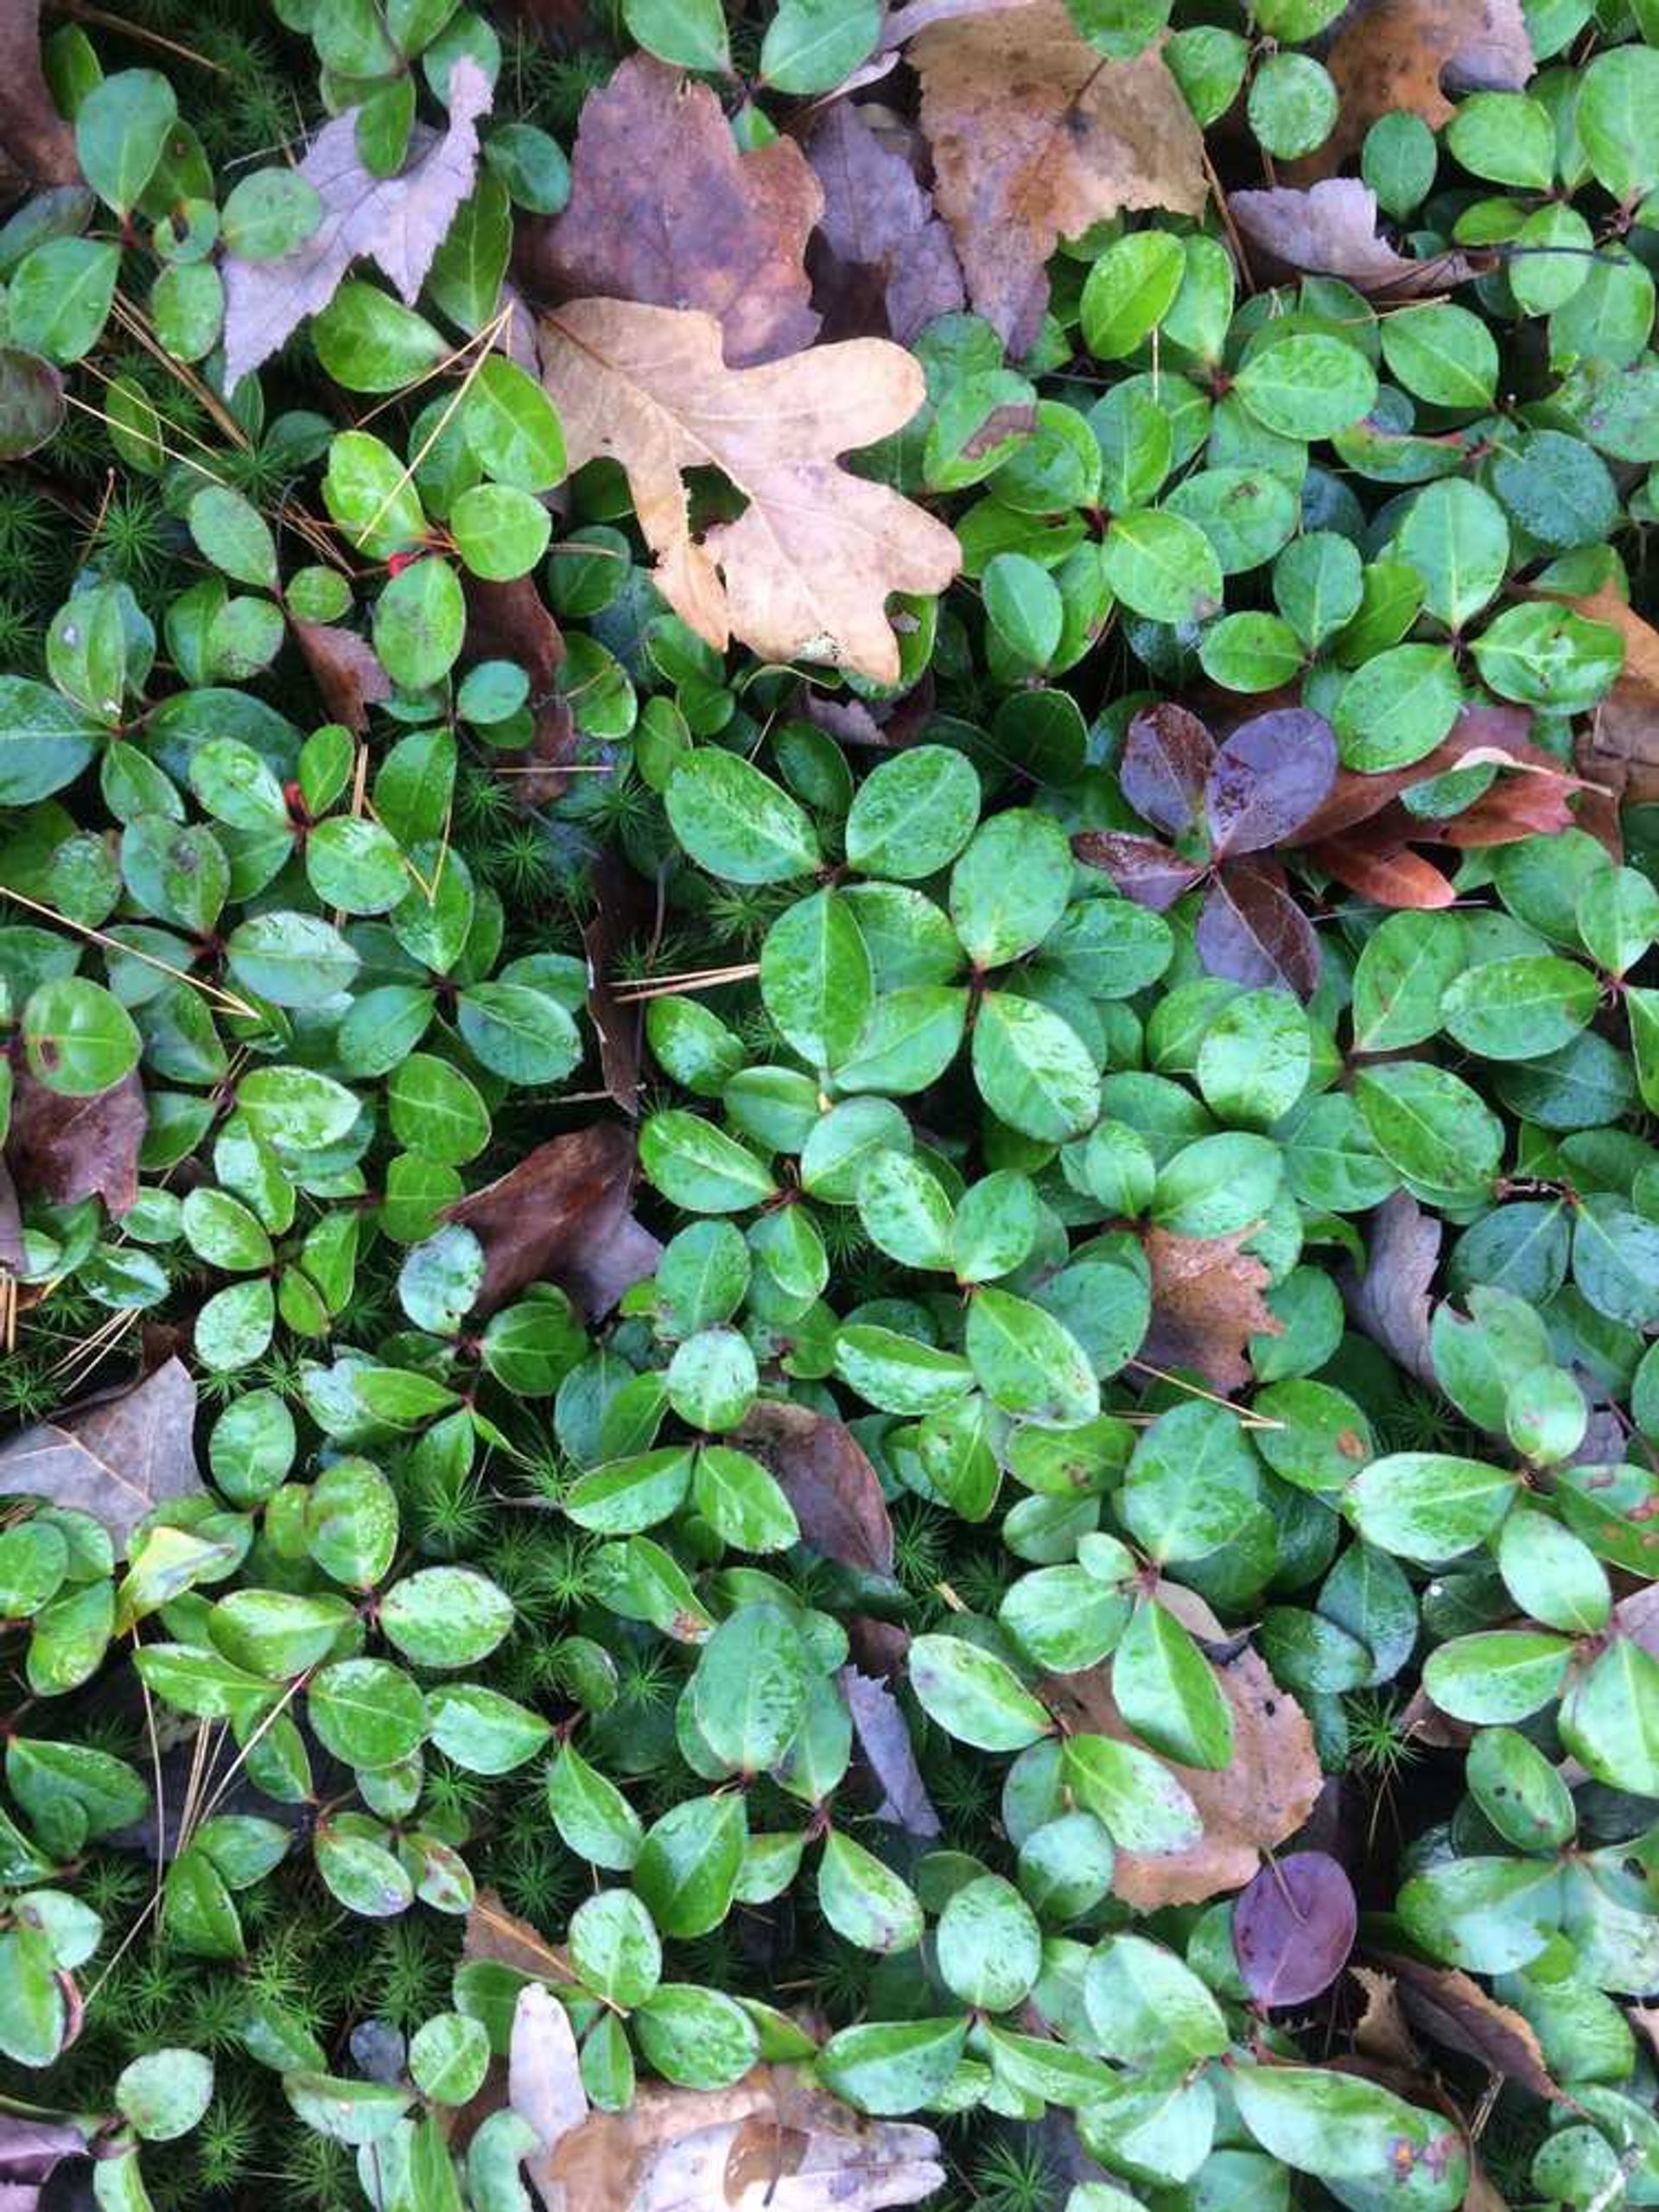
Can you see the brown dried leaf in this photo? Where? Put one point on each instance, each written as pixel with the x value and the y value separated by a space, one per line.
pixel 1453 2010
pixel 882 261
pixel 1390 1302
pixel 345 670
pixel 35 140
pixel 13 1259
pixel 398 220
pixel 664 211
pixel 770 2143
pixel 1262 1796
pixel 1404 54
pixel 1620 746
pixel 624 908
pixel 493 1933
pixel 63 1149
pixel 1381 2034
pixel 562 1216
pixel 1206 1305
pixel 1389 876
pixel 511 621
pixel 807 567
pixel 1035 137
pixel 834 1490
pixel 884 1739
pixel 1330 230
pixel 117 1456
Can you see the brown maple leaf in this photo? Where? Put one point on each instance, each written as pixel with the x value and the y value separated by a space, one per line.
pixel 35 142
pixel 882 262
pixel 1035 137
pixel 1261 1796
pixel 400 222
pixel 345 670
pixel 64 1149
pixel 824 1473
pixel 1206 1305
pixel 117 1456
pixel 664 211
pixel 1330 230
pixel 562 1216
pixel 806 571
pixel 1386 54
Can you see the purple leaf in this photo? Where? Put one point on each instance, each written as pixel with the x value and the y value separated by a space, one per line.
pixel 29 2150
pixel 1150 873
pixel 1293 1927
pixel 884 1739
pixel 1166 757
pixel 1273 772
pixel 1252 932
pixel 1390 1303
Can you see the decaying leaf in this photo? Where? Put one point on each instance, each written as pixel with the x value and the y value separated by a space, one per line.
pixel 806 570
pixel 562 1216
pixel 1381 2034
pixel 624 906
pixel 1261 1796
pixel 345 670
pixel 13 1259
pixel 883 262
pixel 1206 1305
pixel 399 221
pixel 117 1456
pixel 1035 137
pixel 493 1932
pixel 664 211
pixel 770 2143
pixel 1294 1926
pixel 1452 2009
pixel 1330 230
pixel 834 1490
pixel 1409 53
pixel 30 2150
pixel 1390 1302
pixel 510 621
pixel 62 1149
pixel 544 2080
pixel 35 140
pixel 1619 744
pixel 884 1737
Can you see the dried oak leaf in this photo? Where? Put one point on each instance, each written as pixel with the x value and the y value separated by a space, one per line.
pixel 823 1473
pixel 345 670
pixel 806 571
pixel 1385 54
pixel 1263 1795
pixel 1206 1305
pixel 1390 1301
pixel 1452 2009
pixel 1035 137
pixel 884 1737
pixel 883 264
pixel 1619 745
pixel 35 140
pixel 562 1216
pixel 398 220
pixel 117 1456
pixel 63 1149
pixel 664 211
pixel 1330 230
pixel 493 1933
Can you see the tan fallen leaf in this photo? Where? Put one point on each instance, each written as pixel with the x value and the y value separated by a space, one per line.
pixel 1206 1305
pixel 806 571
pixel 1408 53
pixel 117 1456
pixel 665 210
pixel 1035 137
pixel 1251 1806
pixel 399 221
pixel 1330 230
pixel 1619 744
pixel 491 1932
pixel 1381 2033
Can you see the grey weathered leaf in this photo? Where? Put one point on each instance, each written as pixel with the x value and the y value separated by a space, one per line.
pixel 544 2078
pixel 1390 1302
pixel 884 1739
pixel 117 1457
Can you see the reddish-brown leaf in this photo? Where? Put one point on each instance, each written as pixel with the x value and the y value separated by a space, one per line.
pixel 1260 1797
pixel 345 670
pixel 1167 756
pixel 1206 1305
pixel 63 1149
pixel 1294 1926
pixel 35 140
pixel 624 908
pixel 398 220
pixel 1330 230
pixel 664 211
pixel 12 1256
pixel 1491 733
pixel 1619 747
pixel 1251 930
pixel 884 1737
pixel 882 262
pixel 1452 2009
pixel 1514 807
pixel 823 1473
pixel 1035 137
pixel 1390 1302
pixel 1389 876
pixel 562 1216
pixel 511 621
pixel 1409 53
pixel 115 1456
pixel 1152 875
